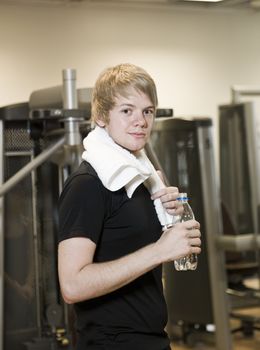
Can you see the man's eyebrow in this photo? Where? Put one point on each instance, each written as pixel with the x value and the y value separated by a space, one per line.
pixel 152 107
pixel 126 104
pixel 132 105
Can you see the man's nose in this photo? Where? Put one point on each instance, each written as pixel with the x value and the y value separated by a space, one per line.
pixel 140 118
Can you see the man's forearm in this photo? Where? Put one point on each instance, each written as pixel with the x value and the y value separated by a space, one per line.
pixel 96 279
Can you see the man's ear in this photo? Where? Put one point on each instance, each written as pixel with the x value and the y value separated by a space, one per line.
pixel 100 123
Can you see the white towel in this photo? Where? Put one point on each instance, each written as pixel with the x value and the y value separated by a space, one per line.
pixel 116 167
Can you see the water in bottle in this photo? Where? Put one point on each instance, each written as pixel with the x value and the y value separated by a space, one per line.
pixel 188 262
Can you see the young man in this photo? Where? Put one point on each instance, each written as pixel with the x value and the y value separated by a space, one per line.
pixel 111 245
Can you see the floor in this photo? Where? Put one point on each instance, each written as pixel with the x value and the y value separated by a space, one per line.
pixel 239 340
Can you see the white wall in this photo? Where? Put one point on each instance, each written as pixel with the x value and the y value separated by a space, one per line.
pixel 194 56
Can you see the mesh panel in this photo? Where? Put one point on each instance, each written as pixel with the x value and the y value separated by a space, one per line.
pixel 17 139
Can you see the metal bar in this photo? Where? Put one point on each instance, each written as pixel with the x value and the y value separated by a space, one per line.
pixel 155 161
pixel 62 178
pixel 18 154
pixel 239 243
pixel 232 168
pixel 213 222
pixel 1 238
pixel 30 166
pixel 252 142
pixel 36 253
pixel 70 98
pixel 70 102
pixel 238 90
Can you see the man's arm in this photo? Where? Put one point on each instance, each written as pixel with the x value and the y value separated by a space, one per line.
pixel 82 279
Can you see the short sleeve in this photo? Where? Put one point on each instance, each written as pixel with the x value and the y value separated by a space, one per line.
pixel 81 208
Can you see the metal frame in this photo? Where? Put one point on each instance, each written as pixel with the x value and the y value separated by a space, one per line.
pixel 72 138
pixel 4 188
pixel 1 237
pixel 37 161
pixel 253 162
pixel 36 251
pixel 213 221
pixel 251 242
pixel 238 91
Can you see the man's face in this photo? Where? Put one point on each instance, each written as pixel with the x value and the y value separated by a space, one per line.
pixel 131 120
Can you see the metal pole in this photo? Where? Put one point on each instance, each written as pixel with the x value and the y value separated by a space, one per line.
pixel 30 166
pixel 155 161
pixel 237 91
pixel 239 243
pixel 36 253
pixel 73 139
pixel 70 102
pixel 217 271
pixel 1 238
pixel 69 91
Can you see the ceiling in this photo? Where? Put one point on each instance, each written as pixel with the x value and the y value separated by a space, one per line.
pixel 224 4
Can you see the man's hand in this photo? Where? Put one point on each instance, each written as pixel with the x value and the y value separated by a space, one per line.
pixel 168 197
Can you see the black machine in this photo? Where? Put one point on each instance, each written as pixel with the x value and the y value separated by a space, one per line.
pixel 177 144
pixel 40 146
pixel 32 314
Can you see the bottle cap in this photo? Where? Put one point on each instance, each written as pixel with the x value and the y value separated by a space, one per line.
pixel 182 196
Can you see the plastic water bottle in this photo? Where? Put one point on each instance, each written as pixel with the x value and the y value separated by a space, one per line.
pixel 188 262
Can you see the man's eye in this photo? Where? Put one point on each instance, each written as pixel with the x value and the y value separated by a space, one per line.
pixel 148 112
pixel 126 111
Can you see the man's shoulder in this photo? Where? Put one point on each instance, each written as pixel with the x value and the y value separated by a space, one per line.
pixel 85 174
pixel 85 169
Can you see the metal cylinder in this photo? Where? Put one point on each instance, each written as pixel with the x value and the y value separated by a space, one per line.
pixel 70 100
pixel 72 131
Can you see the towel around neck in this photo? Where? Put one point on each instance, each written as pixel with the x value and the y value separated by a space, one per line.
pixel 117 167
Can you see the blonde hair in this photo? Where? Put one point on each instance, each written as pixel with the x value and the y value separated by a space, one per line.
pixel 119 80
